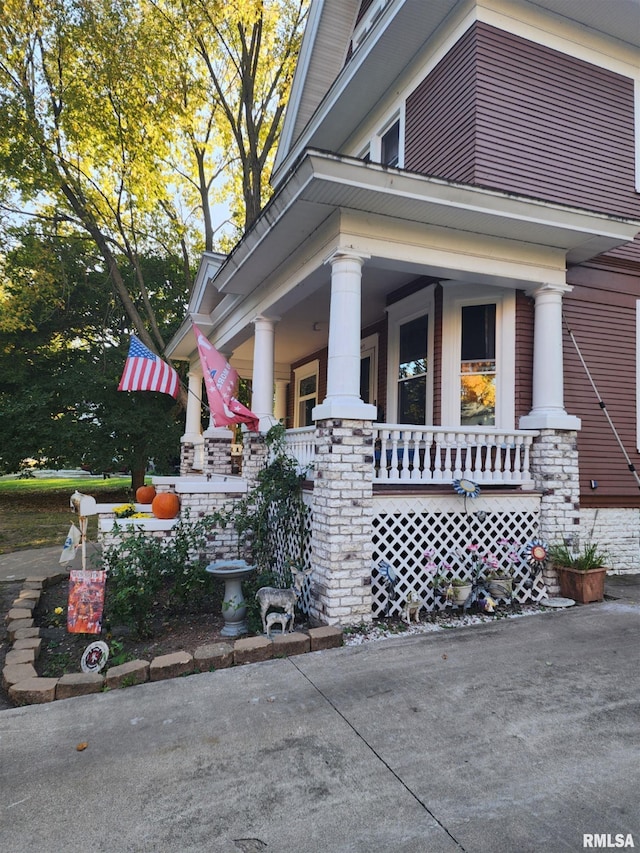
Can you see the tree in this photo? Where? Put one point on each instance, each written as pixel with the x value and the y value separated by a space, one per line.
pixel 60 360
pixel 248 49
pixel 120 119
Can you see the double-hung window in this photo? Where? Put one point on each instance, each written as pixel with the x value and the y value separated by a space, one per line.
pixel 306 393
pixel 478 356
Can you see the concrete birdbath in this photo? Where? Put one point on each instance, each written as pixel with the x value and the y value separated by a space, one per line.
pixel 234 607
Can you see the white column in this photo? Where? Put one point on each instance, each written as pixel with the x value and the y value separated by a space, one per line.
pixel 263 353
pixel 548 411
pixel 280 403
pixel 194 404
pixel 343 367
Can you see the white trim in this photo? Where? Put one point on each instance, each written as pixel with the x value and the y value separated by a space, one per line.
pixel 369 347
pixel 310 368
pixel 416 305
pixel 455 296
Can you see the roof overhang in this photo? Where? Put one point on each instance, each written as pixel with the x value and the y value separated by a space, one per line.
pixel 324 182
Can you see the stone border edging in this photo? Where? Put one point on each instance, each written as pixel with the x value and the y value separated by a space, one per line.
pixel 25 687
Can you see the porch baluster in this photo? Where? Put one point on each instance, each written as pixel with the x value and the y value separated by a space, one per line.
pixel 406 461
pixel 447 474
pixel 458 441
pixel 394 474
pixel 418 441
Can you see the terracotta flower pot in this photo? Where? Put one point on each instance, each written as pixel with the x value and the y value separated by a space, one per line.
pixel 585 587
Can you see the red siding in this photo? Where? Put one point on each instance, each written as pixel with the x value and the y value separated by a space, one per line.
pixel 601 311
pixel 440 117
pixel 524 355
pixel 503 112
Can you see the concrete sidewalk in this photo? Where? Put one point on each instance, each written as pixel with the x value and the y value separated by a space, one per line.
pixel 42 562
pixel 517 736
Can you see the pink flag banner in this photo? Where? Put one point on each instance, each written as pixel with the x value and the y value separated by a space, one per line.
pixel 145 371
pixel 221 382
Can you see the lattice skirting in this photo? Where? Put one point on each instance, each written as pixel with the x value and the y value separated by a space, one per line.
pixel 295 546
pixel 405 528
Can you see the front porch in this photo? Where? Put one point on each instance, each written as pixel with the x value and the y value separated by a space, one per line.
pixel 408 332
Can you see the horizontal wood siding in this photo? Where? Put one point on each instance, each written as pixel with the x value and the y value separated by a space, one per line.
pixel 524 355
pixel 440 117
pixel 601 311
pixel 552 126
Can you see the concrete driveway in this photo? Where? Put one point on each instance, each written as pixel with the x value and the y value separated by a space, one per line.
pixel 516 736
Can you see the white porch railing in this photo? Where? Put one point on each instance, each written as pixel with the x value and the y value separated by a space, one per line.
pixel 488 456
pixel 301 444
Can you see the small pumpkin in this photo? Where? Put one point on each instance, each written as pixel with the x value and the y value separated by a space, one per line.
pixel 165 505
pixel 145 494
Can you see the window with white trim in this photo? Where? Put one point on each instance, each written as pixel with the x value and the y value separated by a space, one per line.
pixel 478 356
pixel 306 393
pixel 410 355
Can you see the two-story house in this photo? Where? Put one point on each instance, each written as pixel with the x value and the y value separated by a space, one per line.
pixel 456 186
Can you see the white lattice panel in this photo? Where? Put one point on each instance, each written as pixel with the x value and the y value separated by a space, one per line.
pixel 287 546
pixel 404 529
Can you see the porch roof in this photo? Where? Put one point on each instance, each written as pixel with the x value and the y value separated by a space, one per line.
pixel 323 183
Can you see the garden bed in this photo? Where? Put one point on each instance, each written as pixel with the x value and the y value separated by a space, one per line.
pixel 171 629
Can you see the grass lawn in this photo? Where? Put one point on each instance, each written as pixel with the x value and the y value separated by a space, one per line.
pixel 36 513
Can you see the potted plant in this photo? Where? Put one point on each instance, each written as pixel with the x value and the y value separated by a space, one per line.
pixel 461 590
pixel 500 584
pixel 581 574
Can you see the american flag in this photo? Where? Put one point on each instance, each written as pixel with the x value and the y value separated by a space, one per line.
pixel 145 371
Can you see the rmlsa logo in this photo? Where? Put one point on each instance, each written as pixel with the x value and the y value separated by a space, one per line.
pixel 604 840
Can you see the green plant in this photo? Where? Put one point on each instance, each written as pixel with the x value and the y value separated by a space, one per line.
pixel 139 565
pixel 273 506
pixel 590 556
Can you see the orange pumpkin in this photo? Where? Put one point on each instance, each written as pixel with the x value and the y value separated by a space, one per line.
pixel 165 505
pixel 145 494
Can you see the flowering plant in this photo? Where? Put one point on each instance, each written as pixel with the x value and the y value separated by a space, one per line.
pixel 129 511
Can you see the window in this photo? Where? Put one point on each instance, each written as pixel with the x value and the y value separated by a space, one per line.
pixel 306 393
pixel 369 369
pixel 478 365
pixel 478 356
pixel 390 146
pixel 412 371
pixel 410 353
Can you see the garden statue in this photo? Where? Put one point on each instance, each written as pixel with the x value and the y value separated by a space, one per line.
pixel 271 596
pixel 412 607
pixel 282 618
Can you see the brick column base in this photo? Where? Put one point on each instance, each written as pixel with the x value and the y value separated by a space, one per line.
pixel 187 455
pixel 217 455
pixel 342 516
pixel 554 466
pixel 254 456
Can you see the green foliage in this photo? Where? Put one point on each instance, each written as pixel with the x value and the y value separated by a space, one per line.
pixel 590 556
pixel 140 565
pixel 275 504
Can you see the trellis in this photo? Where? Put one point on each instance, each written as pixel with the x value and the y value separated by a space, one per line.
pixel 404 529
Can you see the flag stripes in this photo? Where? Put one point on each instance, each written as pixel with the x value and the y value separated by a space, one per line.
pixel 145 371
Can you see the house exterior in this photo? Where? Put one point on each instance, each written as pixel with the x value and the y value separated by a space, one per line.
pixel 456 187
